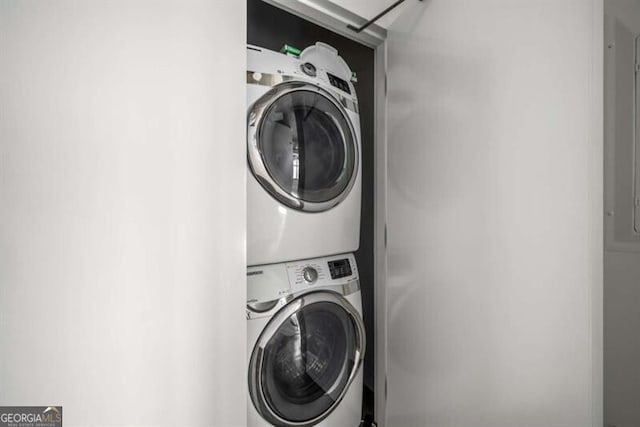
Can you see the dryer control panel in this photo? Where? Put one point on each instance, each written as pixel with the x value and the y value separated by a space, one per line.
pixel 339 83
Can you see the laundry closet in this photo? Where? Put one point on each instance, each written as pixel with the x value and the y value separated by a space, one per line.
pixel 445 241
pixel 310 223
pixel 468 246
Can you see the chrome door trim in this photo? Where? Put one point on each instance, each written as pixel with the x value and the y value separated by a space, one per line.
pixel 255 365
pixel 256 160
pixel 256 309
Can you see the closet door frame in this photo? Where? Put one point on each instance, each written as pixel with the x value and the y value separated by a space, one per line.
pixel 336 19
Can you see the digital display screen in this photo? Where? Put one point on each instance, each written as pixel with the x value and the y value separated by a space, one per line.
pixel 339 83
pixel 339 268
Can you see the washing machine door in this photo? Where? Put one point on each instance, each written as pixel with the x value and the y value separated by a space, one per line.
pixel 302 146
pixel 305 359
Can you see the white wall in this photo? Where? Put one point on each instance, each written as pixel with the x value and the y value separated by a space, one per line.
pixel 622 24
pixel 122 210
pixel 622 258
pixel 495 204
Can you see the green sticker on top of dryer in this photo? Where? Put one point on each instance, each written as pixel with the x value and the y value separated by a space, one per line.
pixel 290 50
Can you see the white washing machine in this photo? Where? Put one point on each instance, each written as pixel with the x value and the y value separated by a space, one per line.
pixel 303 149
pixel 306 343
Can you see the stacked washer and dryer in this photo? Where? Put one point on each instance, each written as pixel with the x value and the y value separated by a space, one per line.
pixel 306 338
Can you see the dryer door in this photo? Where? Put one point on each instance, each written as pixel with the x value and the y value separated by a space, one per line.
pixel 305 359
pixel 302 146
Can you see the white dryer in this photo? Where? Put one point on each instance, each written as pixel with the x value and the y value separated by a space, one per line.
pixel 306 342
pixel 303 149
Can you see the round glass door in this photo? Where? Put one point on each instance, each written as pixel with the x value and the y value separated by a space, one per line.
pixel 305 147
pixel 305 359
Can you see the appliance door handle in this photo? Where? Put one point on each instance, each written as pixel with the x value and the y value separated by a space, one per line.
pixel 262 306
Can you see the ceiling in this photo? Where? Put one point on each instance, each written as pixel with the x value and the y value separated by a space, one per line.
pixel 370 8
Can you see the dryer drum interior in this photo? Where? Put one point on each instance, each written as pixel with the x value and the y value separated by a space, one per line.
pixel 306 359
pixel 306 146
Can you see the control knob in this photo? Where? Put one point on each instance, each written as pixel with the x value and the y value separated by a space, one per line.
pixel 310 274
pixel 309 69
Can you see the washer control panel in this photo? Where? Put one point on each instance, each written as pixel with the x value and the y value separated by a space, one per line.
pixel 340 268
pixel 326 271
pixel 269 286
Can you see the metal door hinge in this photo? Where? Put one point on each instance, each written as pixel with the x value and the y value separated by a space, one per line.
pixel 385 235
pixel 375 18
pixel 637 67
pixel 386 388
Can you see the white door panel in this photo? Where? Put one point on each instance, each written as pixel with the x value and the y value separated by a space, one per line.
pixel 636 199
pixel 122 210
pixel 494 204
